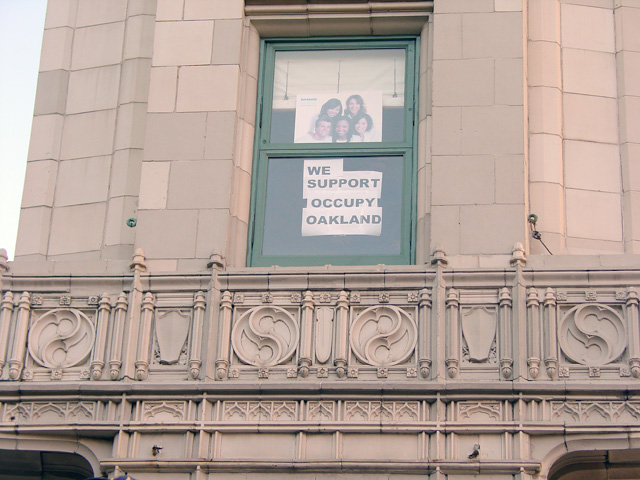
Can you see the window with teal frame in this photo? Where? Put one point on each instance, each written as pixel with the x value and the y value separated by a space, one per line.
pixel 334 158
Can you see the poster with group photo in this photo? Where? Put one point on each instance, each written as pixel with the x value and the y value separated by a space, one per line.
pixel 338 118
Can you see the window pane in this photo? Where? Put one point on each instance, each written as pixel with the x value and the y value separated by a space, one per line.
pixel 336 206
pixel 319 94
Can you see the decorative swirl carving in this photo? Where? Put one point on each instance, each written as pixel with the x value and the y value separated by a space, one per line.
pixel 61 338
pixel 383 336
pixel 592 334
pixel 265 336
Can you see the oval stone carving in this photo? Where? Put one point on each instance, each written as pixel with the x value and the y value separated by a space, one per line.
pixel 265 336
pixel 383 336
pixel 592 334
pixel 61 338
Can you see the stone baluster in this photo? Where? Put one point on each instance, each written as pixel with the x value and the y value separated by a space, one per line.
pixel 438 312
pixel 16 362
pixel 506 332
pixel 424 317
pixel 634 322
pixel 132 325
pixel 144 340
pixel 519 310
pixel 222 363
pixel 551 337
pixel 6 311
pixel 306 337
pixel 453 333
pixel 195 359
pixel 533 321
pixel 343 334
pixel 100 344
pixel 115 362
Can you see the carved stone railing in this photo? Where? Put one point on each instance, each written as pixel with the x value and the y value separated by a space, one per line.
pixel 54 337
pixel 380 334
pixel 403 324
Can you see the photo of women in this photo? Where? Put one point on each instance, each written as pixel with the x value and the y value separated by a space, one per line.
pixel 343 110
pixel 362 129
pixel 332 108
pixel 341 131
pixel 355 106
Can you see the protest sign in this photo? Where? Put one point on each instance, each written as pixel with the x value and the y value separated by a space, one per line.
pixel 340 202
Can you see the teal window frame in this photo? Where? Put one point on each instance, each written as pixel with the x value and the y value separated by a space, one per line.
pixel 264 150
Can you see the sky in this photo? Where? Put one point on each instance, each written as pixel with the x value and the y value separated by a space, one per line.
pixel 21 26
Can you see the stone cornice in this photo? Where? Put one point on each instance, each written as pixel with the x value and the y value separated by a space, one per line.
pixel 510 391
pixel 326 7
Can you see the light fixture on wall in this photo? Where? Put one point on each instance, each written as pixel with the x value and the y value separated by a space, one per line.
pixel 533 219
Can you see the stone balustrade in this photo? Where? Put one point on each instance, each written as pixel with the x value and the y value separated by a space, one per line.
pixel 405 324
pixel 407 370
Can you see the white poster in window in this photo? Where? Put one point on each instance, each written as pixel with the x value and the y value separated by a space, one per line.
pixel 340 202
pixel 338 118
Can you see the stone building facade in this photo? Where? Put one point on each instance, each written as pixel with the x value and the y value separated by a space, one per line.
pixel 146 328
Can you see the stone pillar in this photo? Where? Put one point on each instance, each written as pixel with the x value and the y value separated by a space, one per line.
pixel 423 204
pixel 627 19
pixel 82 175
pixel 478 129
pixel 590 129
pixel 124 184
pixel 46 131
pixel 189 177
pixel 243 147
pixel 544 82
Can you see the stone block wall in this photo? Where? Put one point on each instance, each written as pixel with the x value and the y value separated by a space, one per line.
pixel 191 157
pixel 477 154
pixel 83 171
pixel 146 110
